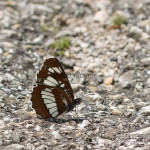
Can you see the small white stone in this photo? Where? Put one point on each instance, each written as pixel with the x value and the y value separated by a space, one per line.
pixel 6 118
pixel 101 16
pixel 145 110
pixel 1 51
pixel 38 39
pixel 84 123
pixel 56 136
pixel 2 125
pixel 37 128
pixel 103 142
pixel 135 30
pixel 15 146
pixel 145 131
pixel 94 97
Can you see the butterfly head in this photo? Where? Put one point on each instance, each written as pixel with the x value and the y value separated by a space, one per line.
pixel 77 101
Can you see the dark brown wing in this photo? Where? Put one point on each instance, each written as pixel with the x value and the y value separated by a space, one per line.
pixel 50 70
pixel 49 102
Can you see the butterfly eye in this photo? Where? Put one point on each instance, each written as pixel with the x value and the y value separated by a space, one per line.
pixel 52 95
pixel 77 101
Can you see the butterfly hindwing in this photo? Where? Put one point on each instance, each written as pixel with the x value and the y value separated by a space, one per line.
pixel 49 101
pixel 52 74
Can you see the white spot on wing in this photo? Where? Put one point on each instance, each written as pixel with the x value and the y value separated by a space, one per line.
pixel 49 83
pixel 48 97
pixel 48 90
pixel 51 70
pixel 64 100
pixel 52 110
pixel 52 80
pixel 60 69
pixel 57 70
pixel 53 99
pixel 46 93
pixel 55 114
pixel 48 101
pixel 50 105
pixel 62 85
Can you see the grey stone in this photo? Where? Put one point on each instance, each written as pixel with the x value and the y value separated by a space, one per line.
pixel 145 110
pixel 102 141
pixel 55 136
pixel 127 79
pixel 135 30
pixel 145 61
pixel 84 124
pixel 101 16
pixel 76 87
pixel 15 147
pixel 144 131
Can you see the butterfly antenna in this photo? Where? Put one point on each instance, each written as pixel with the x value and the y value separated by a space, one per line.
pixel 81 95
pixel 88 94
pixel 85 92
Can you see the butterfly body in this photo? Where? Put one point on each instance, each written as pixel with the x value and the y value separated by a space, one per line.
pixel 52 94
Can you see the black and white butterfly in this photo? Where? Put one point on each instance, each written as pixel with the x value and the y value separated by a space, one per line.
pixel 52 95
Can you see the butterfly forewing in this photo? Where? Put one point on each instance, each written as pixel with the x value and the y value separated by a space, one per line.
pixel 52 74
pixel 49 102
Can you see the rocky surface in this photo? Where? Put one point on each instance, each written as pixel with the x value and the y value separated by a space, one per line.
pixel 113 63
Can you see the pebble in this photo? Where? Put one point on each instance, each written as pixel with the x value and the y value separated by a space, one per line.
pixel 127 76
pixel 1 50
pixel 76 87
pixel 84 124
pixel 101 16
pixel 82 109
pixel 1 142
pixel 55 136
pixel 41 147
pixel 145 110
pixel 138 88
pixel 81 29
pixel 15 137
pixel 68 63
pixel 135 31
pixel 127 79
pixel 12 99
pixel 144 131
pixel 145 37
pixel 102 141
pixel 116 111
pixel 2 124
pixel 83 44
pixel 122 148
pixel 145 61
pixel 49 42
pixel 146 91
pixel 38 128
pixel 148 82
pixel 2 95
pixel 110 134
pixel 38 39
pixel 15 146
pixel 109 80
pixel 101 107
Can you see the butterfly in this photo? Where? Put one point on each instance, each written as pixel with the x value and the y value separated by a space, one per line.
pixel 52 94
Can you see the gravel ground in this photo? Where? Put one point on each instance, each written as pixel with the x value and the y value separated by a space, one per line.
pixel 111 61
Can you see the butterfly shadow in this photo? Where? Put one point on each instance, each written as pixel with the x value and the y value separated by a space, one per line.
pixel 60 121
